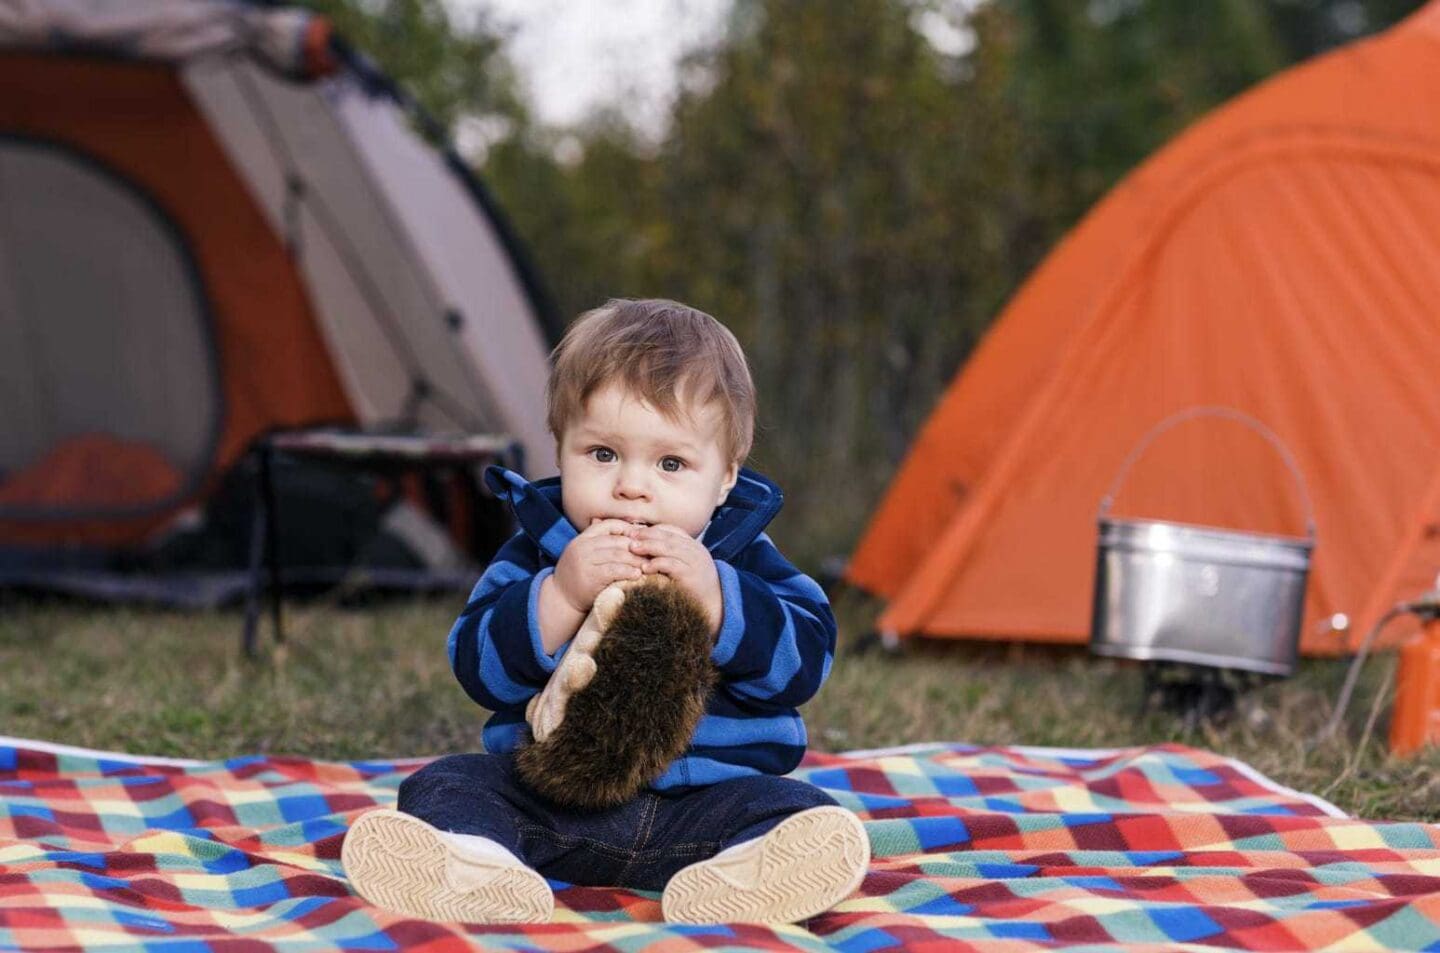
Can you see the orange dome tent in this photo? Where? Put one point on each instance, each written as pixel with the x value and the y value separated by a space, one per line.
pixel 1281 257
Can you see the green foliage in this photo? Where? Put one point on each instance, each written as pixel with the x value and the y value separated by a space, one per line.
pixel 1099 86
pixel 453 71
pixel 857 206
pixel 854 203
pixel 835 191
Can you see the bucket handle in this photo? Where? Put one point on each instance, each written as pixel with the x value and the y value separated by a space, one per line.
pixel 1228 413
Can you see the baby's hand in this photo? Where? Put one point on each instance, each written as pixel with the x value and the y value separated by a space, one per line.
pixel 670 551
pixel 597 557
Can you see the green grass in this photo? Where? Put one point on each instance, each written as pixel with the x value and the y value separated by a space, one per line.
pixel 374 683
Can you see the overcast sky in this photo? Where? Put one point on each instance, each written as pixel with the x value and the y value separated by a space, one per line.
pixel 574 55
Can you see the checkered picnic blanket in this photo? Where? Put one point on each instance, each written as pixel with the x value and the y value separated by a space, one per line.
pixel 974 849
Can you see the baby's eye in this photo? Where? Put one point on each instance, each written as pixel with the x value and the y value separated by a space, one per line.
pixel 672 464
pixel 603 454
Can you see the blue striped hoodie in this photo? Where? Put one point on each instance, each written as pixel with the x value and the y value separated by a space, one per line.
pixel 774 649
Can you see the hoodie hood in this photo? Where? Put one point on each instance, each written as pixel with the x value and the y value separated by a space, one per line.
pixel 735 524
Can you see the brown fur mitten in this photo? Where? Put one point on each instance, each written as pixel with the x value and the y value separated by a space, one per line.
pixel 638 712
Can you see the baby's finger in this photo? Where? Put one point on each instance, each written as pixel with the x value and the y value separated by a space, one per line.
pixel 665 565
pixel 615 571
pixel 610 527
pixel 653 545
pixel 609 548
pixel 660 531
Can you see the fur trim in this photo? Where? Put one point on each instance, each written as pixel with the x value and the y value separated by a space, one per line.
pixel 653 675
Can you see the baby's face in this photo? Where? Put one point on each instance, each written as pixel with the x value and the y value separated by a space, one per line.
pixel 623 459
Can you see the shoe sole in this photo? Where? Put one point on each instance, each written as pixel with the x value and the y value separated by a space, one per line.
pixel 401 863
pixel 804 866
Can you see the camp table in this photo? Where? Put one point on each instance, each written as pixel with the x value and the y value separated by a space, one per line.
pixel 384 454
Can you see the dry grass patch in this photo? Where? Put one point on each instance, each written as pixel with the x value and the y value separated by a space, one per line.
pixel 375 683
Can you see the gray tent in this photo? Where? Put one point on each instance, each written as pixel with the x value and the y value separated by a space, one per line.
pixel 215 221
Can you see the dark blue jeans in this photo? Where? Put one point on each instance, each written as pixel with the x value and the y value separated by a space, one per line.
pixel 640 844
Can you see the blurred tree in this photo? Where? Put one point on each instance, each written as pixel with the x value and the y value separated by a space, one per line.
pixel 593 222
pixel 856 201
pixel 858 204
pixel 1307 27
pixel 831 188
pixel 454 71
pixel 1100 85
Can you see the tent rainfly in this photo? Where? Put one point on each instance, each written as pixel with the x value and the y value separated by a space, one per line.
pixel 1281 257
pixel 215 220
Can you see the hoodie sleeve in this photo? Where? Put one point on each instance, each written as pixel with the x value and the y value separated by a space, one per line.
pixel 494 646
pixel 777 634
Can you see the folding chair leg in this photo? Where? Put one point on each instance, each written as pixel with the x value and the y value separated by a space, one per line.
pixel 272 535
pixel 258 545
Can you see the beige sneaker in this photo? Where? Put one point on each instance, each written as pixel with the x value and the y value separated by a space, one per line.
pixel 401 863
pixel 804 866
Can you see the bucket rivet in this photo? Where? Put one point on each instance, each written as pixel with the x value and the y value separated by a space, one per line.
pixel 1209 581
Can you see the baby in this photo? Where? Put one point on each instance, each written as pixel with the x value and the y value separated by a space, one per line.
pixel 652 408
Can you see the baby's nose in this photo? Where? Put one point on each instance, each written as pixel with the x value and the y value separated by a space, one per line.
pixel 630 485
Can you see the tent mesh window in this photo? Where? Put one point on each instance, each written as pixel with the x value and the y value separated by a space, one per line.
pixel 107 366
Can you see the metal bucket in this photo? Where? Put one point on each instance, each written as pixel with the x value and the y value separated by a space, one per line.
pixel 1198 594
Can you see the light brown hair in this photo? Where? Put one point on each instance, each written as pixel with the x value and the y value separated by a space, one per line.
pixel 661 351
